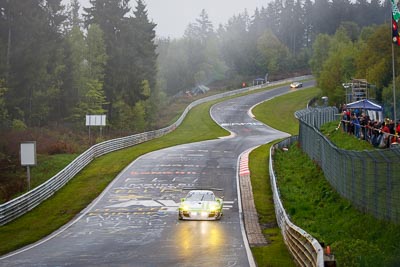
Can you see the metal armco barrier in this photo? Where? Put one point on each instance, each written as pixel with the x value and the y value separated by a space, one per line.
pixel 305 249
pixel 26 202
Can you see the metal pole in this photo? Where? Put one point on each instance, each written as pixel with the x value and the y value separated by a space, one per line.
pixel 28 177
pixel 394 86
pixel 394 17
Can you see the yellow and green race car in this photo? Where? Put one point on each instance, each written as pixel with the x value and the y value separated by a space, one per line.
pixel 200 205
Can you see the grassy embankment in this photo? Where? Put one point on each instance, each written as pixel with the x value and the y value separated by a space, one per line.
pixel 278 113
pixel 356 239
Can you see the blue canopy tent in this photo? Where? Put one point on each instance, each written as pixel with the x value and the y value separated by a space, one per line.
pixel 375 112
pixel 364 104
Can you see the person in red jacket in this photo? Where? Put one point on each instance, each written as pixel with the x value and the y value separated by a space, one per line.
pixel 397 134
pixel 385 135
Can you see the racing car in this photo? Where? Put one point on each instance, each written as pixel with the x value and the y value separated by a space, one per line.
pixel 296 85
pixel 200 205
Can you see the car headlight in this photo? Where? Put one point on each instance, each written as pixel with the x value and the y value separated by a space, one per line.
pixel 214 208
pixel 185 207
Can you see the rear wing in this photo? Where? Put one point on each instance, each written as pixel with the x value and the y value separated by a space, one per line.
pixel 203 188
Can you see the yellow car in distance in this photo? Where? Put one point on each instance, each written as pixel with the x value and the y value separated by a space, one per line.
pixel 296 85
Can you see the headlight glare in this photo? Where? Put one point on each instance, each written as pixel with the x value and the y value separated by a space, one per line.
pixel 213 208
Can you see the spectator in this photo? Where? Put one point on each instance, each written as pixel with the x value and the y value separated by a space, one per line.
pixel 385 132
pixel 364 122
pixel 375 133
pixel 392 131
pixel 379 134
pixel 356 125
pixel 345 121
pixel 397 133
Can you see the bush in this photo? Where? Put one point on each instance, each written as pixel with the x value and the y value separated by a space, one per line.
pixel 48 142
pixel 59 147
pixel 19 125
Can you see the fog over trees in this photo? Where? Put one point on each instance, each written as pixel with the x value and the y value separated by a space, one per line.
pixel 57 65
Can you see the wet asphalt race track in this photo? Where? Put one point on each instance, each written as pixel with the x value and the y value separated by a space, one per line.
pixel 135 222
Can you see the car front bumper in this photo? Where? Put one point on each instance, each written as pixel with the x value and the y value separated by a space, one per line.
pixel 200 215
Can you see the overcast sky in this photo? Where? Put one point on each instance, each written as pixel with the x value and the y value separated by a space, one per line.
pixel 173 16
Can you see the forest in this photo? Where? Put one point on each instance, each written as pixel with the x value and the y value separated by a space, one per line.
pixel 59 63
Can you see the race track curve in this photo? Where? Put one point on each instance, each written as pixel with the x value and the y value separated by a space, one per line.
pixel 134 221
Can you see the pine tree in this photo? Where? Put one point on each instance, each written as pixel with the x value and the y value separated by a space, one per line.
pixel 73 87
pixel 110 16
pixel 91 96
pixel 34 59
pixel 146 47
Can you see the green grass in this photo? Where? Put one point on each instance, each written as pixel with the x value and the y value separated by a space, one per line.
pixel 343 140
pixel 356 239
pixel 48 166
pixel 277 113
pixel 275 253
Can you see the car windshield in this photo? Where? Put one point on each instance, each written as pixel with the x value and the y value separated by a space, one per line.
pixel 200 196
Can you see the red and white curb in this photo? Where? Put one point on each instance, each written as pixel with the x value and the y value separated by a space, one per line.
pixel 244 164
pixel 252 227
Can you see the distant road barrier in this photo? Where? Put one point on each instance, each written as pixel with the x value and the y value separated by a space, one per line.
pixel 305 249
pixel 26 202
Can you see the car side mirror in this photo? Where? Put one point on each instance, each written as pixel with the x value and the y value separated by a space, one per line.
pixel 182 199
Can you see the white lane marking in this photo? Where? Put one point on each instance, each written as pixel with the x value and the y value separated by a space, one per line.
pixel 168 203
pixel 169 209
pixel 146 203
pixel 241 123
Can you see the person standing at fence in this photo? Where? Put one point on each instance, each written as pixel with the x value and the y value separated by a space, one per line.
pixel 364 121
pixel 397 133
pixel 345 120
pixel 349 124
pixel 392 131
pixel 376 133
pixel 356 125
pixel 385 131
